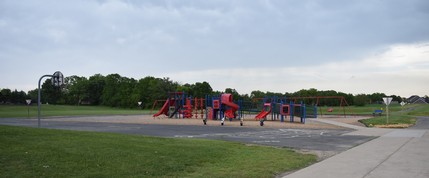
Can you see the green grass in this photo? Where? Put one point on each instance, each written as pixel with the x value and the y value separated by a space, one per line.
pixel 397 114
pixel 21 111
pixel 394 119
pixel 33 152
pixel 421 110
pixel 362 110
pixel 402 115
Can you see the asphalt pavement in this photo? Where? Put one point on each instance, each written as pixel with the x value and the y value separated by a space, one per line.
pixel 302 139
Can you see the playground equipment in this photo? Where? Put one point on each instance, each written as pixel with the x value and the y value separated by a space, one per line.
pixel 265 111
pixel 342 102
pixel 172 105
pixel 280 107
pixel 222 108
pixel 178 105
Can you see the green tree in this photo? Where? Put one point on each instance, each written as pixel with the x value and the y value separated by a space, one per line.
pixel 127 99
pixel 6 95
pixel 110 95
pixel 50 93
pixel 307 93
pixel 257 94
pixel 396 98
pixel 77 89
pixel 120 92
pixel 166 85
pixel 233 92
pixel 95 88
pixel 32 94
pixel 360 99
pixel 150 89
pixel 202 89
pixel 376 98
pixel 187 88
pixel 142 91
pixel 312 92
pixel 18 97
pixel 2 98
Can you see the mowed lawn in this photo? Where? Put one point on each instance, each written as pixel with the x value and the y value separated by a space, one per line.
pixel 35 152
pixel 21 111
pixel 401 116
pixel 362 110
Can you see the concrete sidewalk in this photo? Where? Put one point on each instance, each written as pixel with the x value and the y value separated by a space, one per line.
pixel 396 153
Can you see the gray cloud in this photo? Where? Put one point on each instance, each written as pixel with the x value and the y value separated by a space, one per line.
pixel 138 38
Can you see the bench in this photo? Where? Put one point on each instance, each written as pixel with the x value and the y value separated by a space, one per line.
pixel 377 112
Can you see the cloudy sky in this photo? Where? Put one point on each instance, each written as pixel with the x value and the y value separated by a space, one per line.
pixel 353 46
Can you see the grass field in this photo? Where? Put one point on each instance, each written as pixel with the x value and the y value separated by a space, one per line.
pixel 21 111
pixel 363 110
pixel 32 152
pixel 399 116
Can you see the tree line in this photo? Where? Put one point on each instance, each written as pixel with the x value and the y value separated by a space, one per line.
pixel 115 90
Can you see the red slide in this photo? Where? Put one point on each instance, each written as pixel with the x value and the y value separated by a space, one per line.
pixel 264 113
pixel 164 109
pixel 227 100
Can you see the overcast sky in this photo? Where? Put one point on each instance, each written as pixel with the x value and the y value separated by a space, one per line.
pixel 353 46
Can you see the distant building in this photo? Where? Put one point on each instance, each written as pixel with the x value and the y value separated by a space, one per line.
pixel 416 100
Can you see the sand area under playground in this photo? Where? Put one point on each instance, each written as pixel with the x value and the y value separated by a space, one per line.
pixel 248 122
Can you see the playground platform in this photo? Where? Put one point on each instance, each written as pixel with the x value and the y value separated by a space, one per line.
pixel 395 153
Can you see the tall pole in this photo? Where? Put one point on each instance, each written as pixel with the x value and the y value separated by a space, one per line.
pixel 38 100
pixel 387 101
pixel 28 101
pixel 387 114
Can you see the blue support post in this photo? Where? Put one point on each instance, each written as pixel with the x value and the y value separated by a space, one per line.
pixel 182 104
pixel 282 118
pixel 292 110
pixel 304 112
pixel 214 116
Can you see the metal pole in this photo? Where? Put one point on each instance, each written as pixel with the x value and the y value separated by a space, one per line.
pixel 38 99
pixel 387 113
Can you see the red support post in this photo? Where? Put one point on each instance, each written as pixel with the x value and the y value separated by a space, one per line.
pixel 196 107
pixel 202 108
